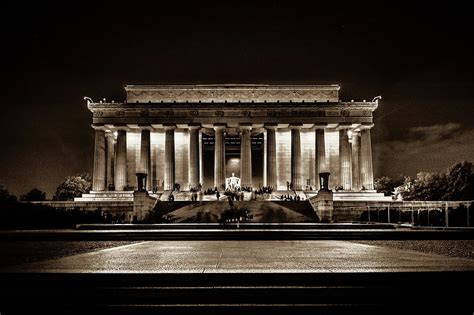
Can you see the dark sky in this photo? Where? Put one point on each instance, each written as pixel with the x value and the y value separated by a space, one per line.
pixel 418 57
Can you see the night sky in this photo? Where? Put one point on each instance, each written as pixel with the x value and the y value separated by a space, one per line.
pixel 419 58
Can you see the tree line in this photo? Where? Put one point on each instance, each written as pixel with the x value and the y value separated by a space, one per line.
pixel 72 186
pixel 456 183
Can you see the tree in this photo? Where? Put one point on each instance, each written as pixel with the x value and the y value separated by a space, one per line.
pixel 73 186
pixel 459 182
pixel 34 195
pixel 430 186
pixel 5 196
pixel 386 185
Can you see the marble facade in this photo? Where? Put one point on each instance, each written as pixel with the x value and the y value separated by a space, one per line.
pixel 280 134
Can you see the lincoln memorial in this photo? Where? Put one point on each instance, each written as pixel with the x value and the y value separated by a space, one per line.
pixel 196 136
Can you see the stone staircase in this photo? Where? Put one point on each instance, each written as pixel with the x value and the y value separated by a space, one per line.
pixel 231 293
pixel 260 211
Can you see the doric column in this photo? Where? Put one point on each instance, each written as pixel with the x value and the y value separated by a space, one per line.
pixel 366 171
pixel 296 156
pixel 355 160
pixel 109 138
pixel 98 180
pixel 145 160
pixel 201 164
pixel 219 157
pixel 169 179
pixel 246 156
pixel 320 153
pixel 345 164
pixel 271 156
pixel 120 177
pixel 193 162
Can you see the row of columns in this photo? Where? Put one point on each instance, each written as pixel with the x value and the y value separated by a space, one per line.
pixel 355 160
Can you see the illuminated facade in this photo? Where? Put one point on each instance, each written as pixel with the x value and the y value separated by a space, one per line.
pixel 198 135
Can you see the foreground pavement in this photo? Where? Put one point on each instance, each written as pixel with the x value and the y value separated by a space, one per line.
pixel 235 277
pixel 247 257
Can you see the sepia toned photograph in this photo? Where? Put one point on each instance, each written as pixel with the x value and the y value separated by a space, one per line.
pixel 232 158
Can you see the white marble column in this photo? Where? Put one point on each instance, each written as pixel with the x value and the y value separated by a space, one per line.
pixel 296 156
pixel 246 156
pixel 345 164
pixel 120 177
pixel 271 156
pixel 98 179
pixel 321 165
pixel 219 157
pixel 145 153
pixel 201 166
pixel 366 170
pixel 355 146
pixel 109 138
pixel 169 175
pixel 193 162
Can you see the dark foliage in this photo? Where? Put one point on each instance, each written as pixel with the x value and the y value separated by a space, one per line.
pixel 34 195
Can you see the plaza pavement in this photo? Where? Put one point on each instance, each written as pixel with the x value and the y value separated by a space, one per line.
pixel 278 256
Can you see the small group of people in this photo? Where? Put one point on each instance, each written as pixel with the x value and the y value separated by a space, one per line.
pixel 289 197
pixel 194 196
pixel 210 191
pixel 237 196
pixel 264 190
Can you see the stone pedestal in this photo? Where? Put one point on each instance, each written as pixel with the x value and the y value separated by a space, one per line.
pixel 325 205
pixel 143 205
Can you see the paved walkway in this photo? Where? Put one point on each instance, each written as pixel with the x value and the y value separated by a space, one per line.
pixel 248 257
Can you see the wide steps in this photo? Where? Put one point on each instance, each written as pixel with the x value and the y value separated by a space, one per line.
pixel 234 292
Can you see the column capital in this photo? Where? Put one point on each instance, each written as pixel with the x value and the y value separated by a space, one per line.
pixel 295 126
pixel 145 127
pixel 220 126
pixel 344 125
pixel 320 125
pixel 366 126
pixel 194 126
pixel 247 126
pixel 169 126
pixel 98 127
pixel 271 126
pixel 121 127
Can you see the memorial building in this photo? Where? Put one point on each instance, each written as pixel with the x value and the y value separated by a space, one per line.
pixel 190 137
